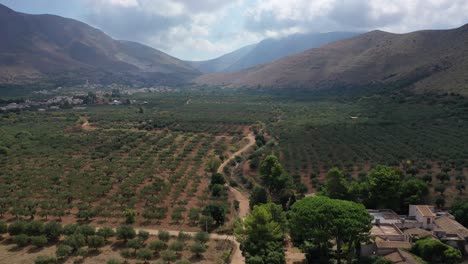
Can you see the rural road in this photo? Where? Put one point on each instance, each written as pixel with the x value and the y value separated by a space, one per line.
pixel 244 206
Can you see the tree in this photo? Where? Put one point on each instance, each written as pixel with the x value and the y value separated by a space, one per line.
pixel 130 215
pixel 21 240
pixel 125 233
pixel 63 251
pixel 164 235
pixel 106 232
pixel 262 233
pixel 216 211
pixel 459 209
pixel 440 188
pixel 202 237
pixel 197 248
pixel 460 187
pixel 434 251
pixel 413 191
pixel 76 241
pixel 45 260
pixel 258 196
pixel 86 230
pixel 315 221
pixel 135 244
pixel 3 228
pixel 217 178
pixel 336 185
pixel 143 235
pixel 53 230
pixel 213 164
pixel 157 246
pixel 442 177
pixel 273 175
pixel 168 255
pixel 16 228
pixel 144 254
pixel 440 201
pixel 34 228
pixel 427 178
pixel 96 242
pixel 383 184
pixel 176 246
pixel 69 229
pixel 39 241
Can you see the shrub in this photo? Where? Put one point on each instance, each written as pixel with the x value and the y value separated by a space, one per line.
pixel 106 232
pixel 52 230
pixel 114 261
pixel 16 228
pixel 164 236
pixel 125 233
pixel 39 241
pixel 434 251
pixel 75 241
pixel 168 255
pixel 157 246
pixel 3 227
pixel 202 237
pixel 45 260
pixel 34 228
pixel 21 240
pixel 86 230
pixel 144 254
pixel 143 235
pixel 96 242
pixel 176 246
pixel 63 251
pixel 198 249
pixel 69 229
pixel 183 236
pixel 125 253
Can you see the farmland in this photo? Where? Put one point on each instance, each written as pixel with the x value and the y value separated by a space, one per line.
pixel 153 158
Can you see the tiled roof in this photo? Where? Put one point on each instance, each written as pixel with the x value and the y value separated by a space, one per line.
pixel 425 210
pixel 417 232
pixel 450 226
pixel 383 244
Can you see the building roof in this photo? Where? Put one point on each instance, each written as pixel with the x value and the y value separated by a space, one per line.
pixel 425 210
pixel 400 256
pixel 384 216
pixel 417 232
pixel 384 244
pixel 385 230
pixel 450 226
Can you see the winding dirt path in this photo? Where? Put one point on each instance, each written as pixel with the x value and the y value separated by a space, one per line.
pixel 244 206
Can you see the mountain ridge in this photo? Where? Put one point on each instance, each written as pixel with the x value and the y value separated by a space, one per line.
pixel 50 47
pixel 428 60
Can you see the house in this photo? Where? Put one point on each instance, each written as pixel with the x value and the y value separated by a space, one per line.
pixel 416 233
pixel 451 232
pixel 401 257
pixel 424 214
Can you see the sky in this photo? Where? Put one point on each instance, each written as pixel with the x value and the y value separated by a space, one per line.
pixel 205 29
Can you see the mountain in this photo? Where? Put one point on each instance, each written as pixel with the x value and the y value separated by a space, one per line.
pixel 222 63
pixel 55 49
pixel 430 60
pixel 268 50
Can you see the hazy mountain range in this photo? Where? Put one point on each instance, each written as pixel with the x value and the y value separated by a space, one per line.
pixel 430 60
pixel 60 51
pixel 267 51
pixel 51 47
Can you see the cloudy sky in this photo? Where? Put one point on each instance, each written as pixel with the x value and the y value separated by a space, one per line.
pixel 204 29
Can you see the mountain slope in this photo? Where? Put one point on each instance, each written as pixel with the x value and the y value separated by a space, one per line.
pixel 273 49
pixel 268 50
pixel 48 47
pixel 428 60
pixel 222 63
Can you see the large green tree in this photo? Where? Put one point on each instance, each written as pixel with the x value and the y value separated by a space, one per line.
pixel 261 234
pixel 383 184
pixel 315 221
pixel 460 210
pixel 336 186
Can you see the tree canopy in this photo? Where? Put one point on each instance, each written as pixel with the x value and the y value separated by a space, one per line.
pixel 315 221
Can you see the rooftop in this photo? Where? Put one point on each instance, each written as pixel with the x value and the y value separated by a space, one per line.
pixel 384 216
pixel 384 244
pixel 425 210
pixel 385 230
pixel 450 226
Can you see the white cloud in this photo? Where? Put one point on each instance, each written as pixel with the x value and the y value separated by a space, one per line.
pixel 204 29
